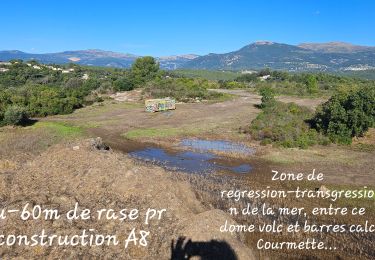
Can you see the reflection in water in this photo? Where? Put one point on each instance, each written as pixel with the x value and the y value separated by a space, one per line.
pixel 192 162
pixel 216 145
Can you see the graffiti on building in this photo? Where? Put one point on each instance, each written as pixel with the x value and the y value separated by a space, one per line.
pixel 162 104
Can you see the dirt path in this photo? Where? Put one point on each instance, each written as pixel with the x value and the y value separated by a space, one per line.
pixel 246 95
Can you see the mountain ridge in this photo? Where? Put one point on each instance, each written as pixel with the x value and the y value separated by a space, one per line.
pixel 335 47
pixel 94 57
pixel 330 56
pixel 288 57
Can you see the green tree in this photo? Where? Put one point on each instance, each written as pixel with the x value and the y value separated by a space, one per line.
pixel 311 84
pixel 73 83
pixel 15 115
pixel 123 84
pixel 346 115
pixel 268 96
pixel 144 69
pixel 264 72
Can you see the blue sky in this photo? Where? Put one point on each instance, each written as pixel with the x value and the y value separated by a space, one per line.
pixel 178 27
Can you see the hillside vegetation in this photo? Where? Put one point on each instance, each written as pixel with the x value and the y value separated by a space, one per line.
pixel 206 74
pixel 182 89
pixel 284 124
pixel 37 90
pixel 297 84
pixel 345 115
pixel 286 57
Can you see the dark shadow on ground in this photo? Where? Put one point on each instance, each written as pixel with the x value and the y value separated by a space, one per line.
pixel 185 249
pixel 28 122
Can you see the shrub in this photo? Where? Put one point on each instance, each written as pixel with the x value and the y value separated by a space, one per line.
pixel 231 84
pixel 15 115
pixel 285 125
pixel 251 77
pixel 312 84
pixel 346 115
pixel 182 89
pixel 123 84
pixel 268 96
pixel 74 83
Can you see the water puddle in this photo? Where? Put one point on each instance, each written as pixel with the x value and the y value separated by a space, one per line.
pixel 188 161
pixel 196 156
pixel 216 145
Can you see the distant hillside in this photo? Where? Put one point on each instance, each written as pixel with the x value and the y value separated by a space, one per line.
pixel 175 61
pixel 335 47
pixel 312 57
pixel 364 74
pixel 325 57
pixel 94 58
pixel 207 74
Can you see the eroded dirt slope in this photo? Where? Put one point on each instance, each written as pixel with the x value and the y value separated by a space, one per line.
pixel 62 176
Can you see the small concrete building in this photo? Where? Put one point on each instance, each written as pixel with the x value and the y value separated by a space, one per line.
pixel 162 104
